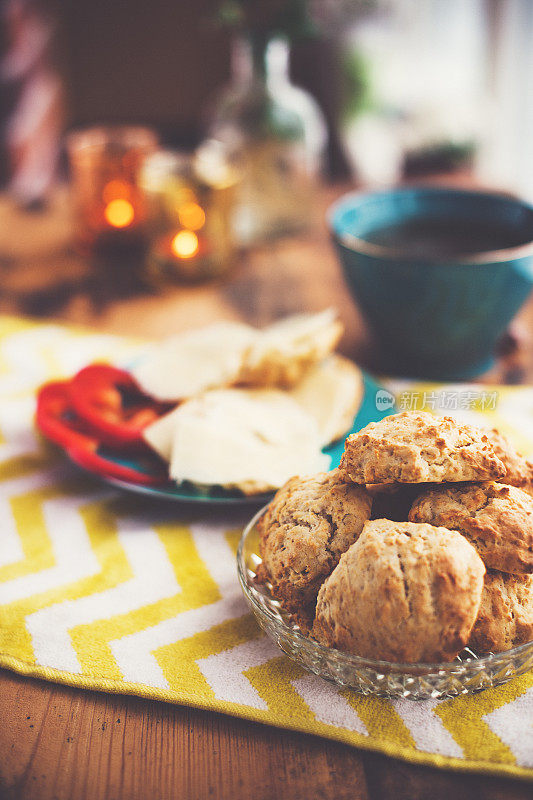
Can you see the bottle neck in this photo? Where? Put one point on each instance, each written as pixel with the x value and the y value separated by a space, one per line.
pixel 259 59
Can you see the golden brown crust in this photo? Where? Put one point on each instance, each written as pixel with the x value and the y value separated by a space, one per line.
pixel 308 525
pixel 519 470
pixel 505 617
pixel 497 519
pixel 417 447
pixel 403 592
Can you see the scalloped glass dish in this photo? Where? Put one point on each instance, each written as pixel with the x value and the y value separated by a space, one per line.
pixel 468 673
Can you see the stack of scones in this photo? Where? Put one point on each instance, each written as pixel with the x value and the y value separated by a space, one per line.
pixel 419 544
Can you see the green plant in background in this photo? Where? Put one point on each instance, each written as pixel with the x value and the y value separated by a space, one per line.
pixel 357 96
pixel 292 19
pixel 288 18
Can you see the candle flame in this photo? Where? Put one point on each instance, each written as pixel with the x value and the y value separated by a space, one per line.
pixel 191 216
pixel 119 213
pixel 185 244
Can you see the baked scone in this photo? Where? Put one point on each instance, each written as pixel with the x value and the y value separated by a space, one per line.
pixel 519 470
pixel 417 447
pixel 308 525
pixel 497 519
pixel 331 392
pixel 253 440
pixel 505 617
pixel 403 592
pixel 282 353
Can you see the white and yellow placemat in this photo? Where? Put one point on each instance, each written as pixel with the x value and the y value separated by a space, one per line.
pixel 106 591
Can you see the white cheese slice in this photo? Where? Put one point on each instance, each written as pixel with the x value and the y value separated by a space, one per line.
pixel 331 392
pixel 194 361
pixel 252 440
pixel 282 352
pixel 160 434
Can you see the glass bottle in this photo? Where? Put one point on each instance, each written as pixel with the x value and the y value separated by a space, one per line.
pixel 279 133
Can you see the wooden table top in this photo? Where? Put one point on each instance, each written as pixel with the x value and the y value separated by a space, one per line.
pixel 58 743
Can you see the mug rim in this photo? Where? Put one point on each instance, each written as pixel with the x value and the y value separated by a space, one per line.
pixel 484 257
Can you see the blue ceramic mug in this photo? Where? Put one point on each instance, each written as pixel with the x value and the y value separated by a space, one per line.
pixel 437 311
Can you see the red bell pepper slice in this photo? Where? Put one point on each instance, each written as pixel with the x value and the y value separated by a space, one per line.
pixel 110 400
pixel 57 420
pixel 88 456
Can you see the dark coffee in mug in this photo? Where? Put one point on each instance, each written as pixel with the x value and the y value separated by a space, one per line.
pixel 430 239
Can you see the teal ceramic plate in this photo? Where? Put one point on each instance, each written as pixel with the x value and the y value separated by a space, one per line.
pixel 371 410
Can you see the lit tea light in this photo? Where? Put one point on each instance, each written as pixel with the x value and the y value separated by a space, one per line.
pixel 110 207
pixel 192 216
pixel 185 244
pixel 119 213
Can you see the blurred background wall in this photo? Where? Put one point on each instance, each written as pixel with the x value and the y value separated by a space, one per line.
pixel 407 87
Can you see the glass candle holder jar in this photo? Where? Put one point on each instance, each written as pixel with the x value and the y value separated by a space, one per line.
pixel 110 208
pixel 190 202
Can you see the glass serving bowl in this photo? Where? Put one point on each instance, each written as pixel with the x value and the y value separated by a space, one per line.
pixel 468 673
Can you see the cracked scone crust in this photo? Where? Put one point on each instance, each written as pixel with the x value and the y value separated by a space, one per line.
pixel 519 470
pixel 497 519
pixel 505 617
pixel 403 592
pixel 417 447
pixel 308 525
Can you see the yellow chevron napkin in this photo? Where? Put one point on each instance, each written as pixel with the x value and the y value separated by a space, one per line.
pixel 105 590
